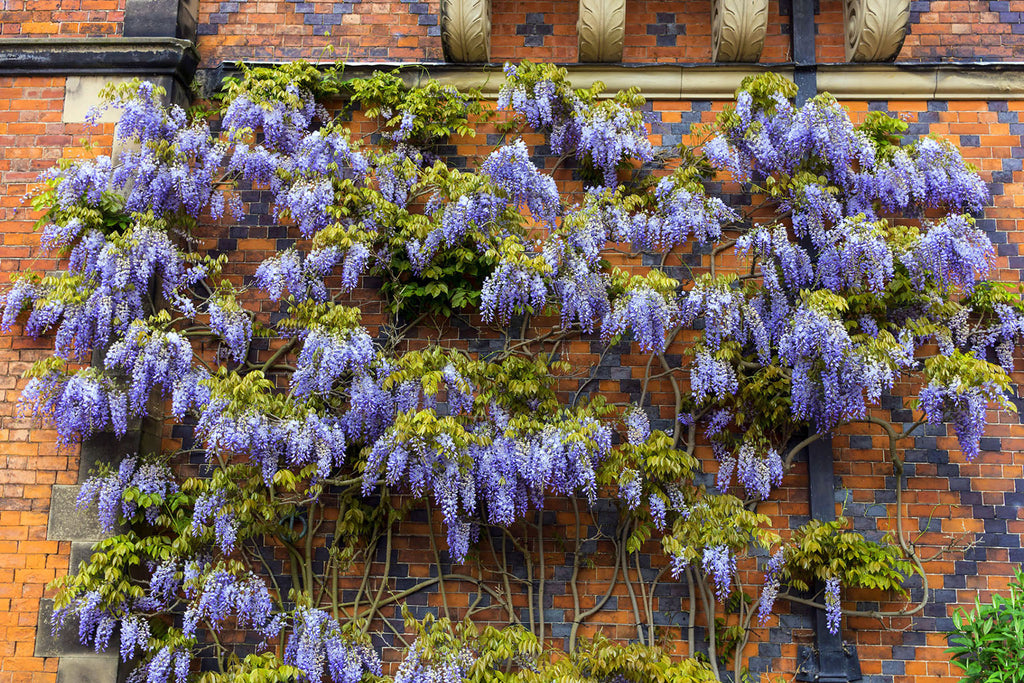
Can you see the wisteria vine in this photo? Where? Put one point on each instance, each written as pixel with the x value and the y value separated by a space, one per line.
pixel 860 256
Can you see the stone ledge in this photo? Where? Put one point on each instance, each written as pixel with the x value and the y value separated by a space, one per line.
pixel 943 81
pixel 95 56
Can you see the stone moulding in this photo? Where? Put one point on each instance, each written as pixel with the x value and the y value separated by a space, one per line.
pixel 967 81
pixel 466 30
pixel 875 29
pixel 738 29
pixel 601 30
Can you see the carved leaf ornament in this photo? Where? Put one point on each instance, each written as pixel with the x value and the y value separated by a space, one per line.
pixel 738 28
pixel 466 30
pixel 875 29
pixel 601 30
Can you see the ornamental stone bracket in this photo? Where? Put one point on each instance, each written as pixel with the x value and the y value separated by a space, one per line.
pixel 466 30
pixel 601 30
pixel 738 28
pixel 875 29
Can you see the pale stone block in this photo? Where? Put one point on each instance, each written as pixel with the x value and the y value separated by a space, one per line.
pixel 82 93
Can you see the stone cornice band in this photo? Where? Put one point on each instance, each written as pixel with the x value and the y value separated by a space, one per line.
pixel 137 56
pixel 943 81
pixel 179 59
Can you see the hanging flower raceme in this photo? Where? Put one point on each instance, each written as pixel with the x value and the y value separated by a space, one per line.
pixel 832 380
pixel 647 313
pixel 771 586
pixel 945 178
pixel 271 442
pixel 479 211
pixel 327 356
pixel 583 294
pixel 720 564
pixel 329 151
pixel 511 171
pixel 150 358
pixel 757 472
pixel 95 623
pixel 79 405
pixel 450 666
pixel 143 481
pixel 372 408
pixel 135 635
pixel 822 130
pixel 856 256
pixel 75 184
pixel 512 288
pixel 213 507
pixel 174 166
pixel 833 605
pixel 964 406
pixel 318 647
pixel 106 290
pixel 953 252
pixel 679 213
pixel 166 665
pixel 712 377
pixel 217 594
pixel 722 307
pixel 772 245
pixel 283 122
pixel 503 474
pixel 233 324
pixel 606 133
pixel 638 426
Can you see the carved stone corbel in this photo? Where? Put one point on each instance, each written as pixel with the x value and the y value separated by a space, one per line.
pixel 738 28
pixel 466 30
pixel 875 29
pixel 601 30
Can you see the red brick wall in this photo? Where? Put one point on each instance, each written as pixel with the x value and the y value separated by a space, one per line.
pixel 32 137
pixel 965 501
pixel 42 18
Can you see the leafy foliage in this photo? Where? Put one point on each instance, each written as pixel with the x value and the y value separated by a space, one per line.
pixel 987 643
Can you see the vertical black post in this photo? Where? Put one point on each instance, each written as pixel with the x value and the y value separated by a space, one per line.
pixel 820 474
pixel 804 72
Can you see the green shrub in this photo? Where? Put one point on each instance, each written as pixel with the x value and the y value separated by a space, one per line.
pixel 988 642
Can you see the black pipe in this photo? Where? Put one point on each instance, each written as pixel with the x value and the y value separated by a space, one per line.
pixel 804 63
pixel 832 659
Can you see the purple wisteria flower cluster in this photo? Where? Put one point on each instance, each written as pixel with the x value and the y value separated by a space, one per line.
pixel 149 485
pixel 446 667
pixel 318 647
pixel 842 188
pixel 607 134
pixel 506 475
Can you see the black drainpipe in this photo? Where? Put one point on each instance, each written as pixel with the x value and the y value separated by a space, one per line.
pixel 805 72
pixel 828 661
